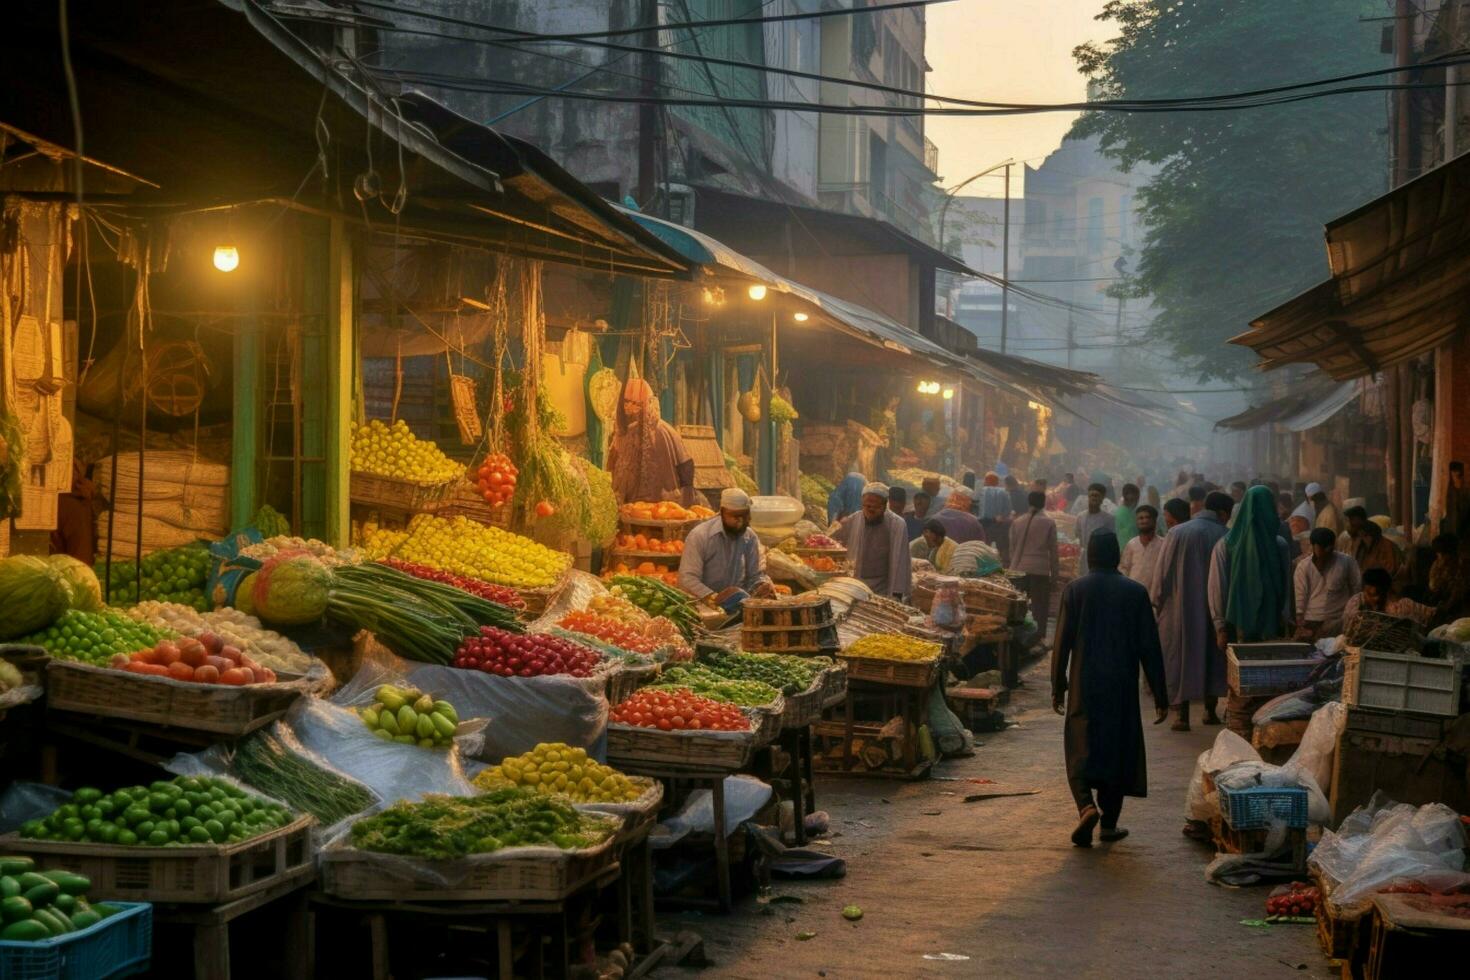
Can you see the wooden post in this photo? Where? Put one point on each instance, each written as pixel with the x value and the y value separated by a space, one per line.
pixel 244 438
pixel 341 370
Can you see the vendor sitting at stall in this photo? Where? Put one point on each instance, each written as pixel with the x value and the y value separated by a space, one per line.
pixel 648 459
pixel 933 545
pixel 722 555
pixel 959 524
pixel 877 544
pixel 1378 595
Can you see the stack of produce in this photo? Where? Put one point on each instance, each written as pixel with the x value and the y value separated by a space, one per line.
pixel 658 599
pixel 84 592
pixel 206 660
pixel 560 769
pixel 234 627
pixel 616 607
pixel 290 774
pixel 409 716
pixel 1296 900
pixel 785 673
pixel 496 479
pixel 182 810
pixel 746 482
pixel 394 451
pixel 38 905
pixel 633 637
pixel 448 827
pixel 325 553
pixel 649 542
pixel 706 683
pixel 32 594
pixel 892 646
pixel 95 638
pixel 502 594
pixel 643 570
pixel 497 651
pixel 821 563
pixel 172 575
pixel 814 493
pixel 678 709
pixel 377 542
pixel 477 551
pixel 821 541
pixel 664 510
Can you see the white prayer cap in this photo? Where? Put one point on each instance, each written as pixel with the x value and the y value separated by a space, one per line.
pixel 1352 502
pixel 733 498
pixel 1313 489
pixel 876 489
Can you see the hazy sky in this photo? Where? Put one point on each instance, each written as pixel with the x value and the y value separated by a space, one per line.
pixel 1010 51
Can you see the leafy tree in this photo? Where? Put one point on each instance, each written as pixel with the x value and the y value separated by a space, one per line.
pixel 1234 217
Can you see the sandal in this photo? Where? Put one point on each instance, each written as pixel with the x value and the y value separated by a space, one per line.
pixel 1082 836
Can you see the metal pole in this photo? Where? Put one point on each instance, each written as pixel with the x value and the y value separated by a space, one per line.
pixel 1451 109
pixel 647 111
pixel 1005 263
pixel 768 425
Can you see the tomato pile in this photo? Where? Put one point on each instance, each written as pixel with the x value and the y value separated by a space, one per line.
pixel 504 595
pixel 496 651
pixel 1295 899
pixel 205 659
pixel 679 709
pixel 496 479
pixel 619 633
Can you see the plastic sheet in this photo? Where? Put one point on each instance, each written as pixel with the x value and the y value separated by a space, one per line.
pixel 384 668
pixel 744 797
pixel 1229 749
pixel 28 801
pixel 1383 842
pixel 1314 755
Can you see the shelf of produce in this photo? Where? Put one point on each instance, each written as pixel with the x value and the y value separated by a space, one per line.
pixel 118 946
pixel 531 874
pixel 186 873
pixel 649 751
pixel 218 708
pixel 666 530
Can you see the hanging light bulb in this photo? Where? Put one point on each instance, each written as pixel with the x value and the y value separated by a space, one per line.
pixel 800 317
pixel 948 394
pixel 226 258
pixel 757 292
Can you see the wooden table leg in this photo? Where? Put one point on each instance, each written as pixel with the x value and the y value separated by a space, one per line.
pixel 722 843
pixel 297 937
pixel 505 949
pixel 809 763
pixel 212 951
pixel 378 942
pixel 647 924
pixel 791 745
pixel 625 900
pixel 847 731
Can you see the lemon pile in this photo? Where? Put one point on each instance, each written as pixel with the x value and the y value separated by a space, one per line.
pixel 394 451
pixel 464 547
pixel 892 646
pixel 376 542
pixel 554 767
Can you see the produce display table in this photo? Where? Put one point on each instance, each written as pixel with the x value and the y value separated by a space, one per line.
pixel 908 703
pixel 714 781
pixel 500 920
pixel 1408 931
pixel 211 928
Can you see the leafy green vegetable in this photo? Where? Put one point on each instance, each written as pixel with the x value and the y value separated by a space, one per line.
pixel 445 827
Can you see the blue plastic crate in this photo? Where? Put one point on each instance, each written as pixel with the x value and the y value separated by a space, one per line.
pixel 1260 806
pixel 118 946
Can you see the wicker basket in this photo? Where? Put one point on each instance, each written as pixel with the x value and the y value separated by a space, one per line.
pixel 1380 631
pixel 834 685
pixel 897 673
pixel 537 599
pixel 218 708
pixel 190 873
pixel 631 748
pixel 25 656
pixel 635 812
pixel 390 493
pixel 622 683
pixel 527 874
pixel 805 707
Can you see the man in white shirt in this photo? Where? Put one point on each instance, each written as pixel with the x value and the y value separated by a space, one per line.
pixel 1142 551
pixel 723 555
pixel 1324 582
pixel 1093 519
pixel 1307 508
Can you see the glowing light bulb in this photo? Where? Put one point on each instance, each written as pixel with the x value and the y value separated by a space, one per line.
pixel 757 292
pixel 226 258
pixel 948 393
pixel 800 317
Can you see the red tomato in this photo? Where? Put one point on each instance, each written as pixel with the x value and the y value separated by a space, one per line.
pixel 207 674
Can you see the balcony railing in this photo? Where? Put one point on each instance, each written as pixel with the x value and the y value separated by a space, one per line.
pixel 931 156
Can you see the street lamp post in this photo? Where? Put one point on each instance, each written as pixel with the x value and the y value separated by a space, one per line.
pixel 1005 238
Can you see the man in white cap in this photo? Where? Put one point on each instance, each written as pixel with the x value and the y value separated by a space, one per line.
pixel 723 555
pixel 877 542
pixel 1308 507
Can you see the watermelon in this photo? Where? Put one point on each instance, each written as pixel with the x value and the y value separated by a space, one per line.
pixel 291 589
pixel 32 595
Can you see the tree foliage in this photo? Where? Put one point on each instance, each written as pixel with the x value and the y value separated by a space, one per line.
pixel 1235 213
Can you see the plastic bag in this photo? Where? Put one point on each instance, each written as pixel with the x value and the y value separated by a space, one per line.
pixel 1384 842
pixel 1314 755
pixel 744 797
pixel 949 732
pixel 1229 748
pixel 1293 706
pixel 28 801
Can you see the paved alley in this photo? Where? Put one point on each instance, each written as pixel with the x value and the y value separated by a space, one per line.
pixel 998 881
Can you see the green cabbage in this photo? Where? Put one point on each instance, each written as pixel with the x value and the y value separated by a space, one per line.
pixel 32 595
pixel 86 591
pixel 291 589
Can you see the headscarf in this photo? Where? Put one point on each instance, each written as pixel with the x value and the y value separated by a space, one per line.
pixel 846 497
pixel 1257 584
pixel 1103 553
pixel 645 459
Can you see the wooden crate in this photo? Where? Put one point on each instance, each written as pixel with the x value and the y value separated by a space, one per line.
pixel 465 501
pixel 1228 840
pixel 539 874
pixel 792 639
pixel 772 614
pixel 630 747
pixel 1342 933
pixel 805 707
pixel 187 873
pixel 897 673
pixel 371 490
pixel 219 708
pixel 1408 934
pixel 1407 769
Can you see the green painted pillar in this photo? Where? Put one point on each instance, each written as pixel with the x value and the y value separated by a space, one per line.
pixel 768 425
pixel 341 374
pixel 244 436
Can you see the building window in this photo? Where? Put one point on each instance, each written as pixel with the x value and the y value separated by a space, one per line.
pixel 1094 224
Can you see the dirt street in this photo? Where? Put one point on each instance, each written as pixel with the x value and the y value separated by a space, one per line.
pixel 999 882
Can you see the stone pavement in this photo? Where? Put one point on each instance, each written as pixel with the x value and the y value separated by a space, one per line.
pixel 999 882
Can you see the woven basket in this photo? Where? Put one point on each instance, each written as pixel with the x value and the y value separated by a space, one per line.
pixel 634 812
pixel 219 708
pixel 527 874
pixel 805 707
pixel 192 873
pixel 898 673
pixel 538 598
pixel 622 683
pixel 1374 630
pixel 371 490
pixel 631 749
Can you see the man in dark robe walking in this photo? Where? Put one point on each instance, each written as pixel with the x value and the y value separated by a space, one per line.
pixel 1105 635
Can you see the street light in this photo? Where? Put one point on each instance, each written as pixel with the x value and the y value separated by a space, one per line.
pixel 226 258
pixel 1005 238
pixel 756 292
pixel 799 317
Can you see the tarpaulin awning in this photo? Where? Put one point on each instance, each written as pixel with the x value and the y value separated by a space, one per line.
pixel 1299 411
pixel 1400 281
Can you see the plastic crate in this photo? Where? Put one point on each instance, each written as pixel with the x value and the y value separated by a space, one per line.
pixel 1260 806
pixel 1401 682
pixel 118 946
pixel 1254 669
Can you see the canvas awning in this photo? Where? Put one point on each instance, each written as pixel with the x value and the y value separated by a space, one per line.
pixel 1400 281
pixel 1318 401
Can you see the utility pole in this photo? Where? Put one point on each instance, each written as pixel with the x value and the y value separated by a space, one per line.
pixel 647 110
pixel 1400 378
pixel 1005 262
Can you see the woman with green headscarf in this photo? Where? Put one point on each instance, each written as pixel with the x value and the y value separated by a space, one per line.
pixel 1250 574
